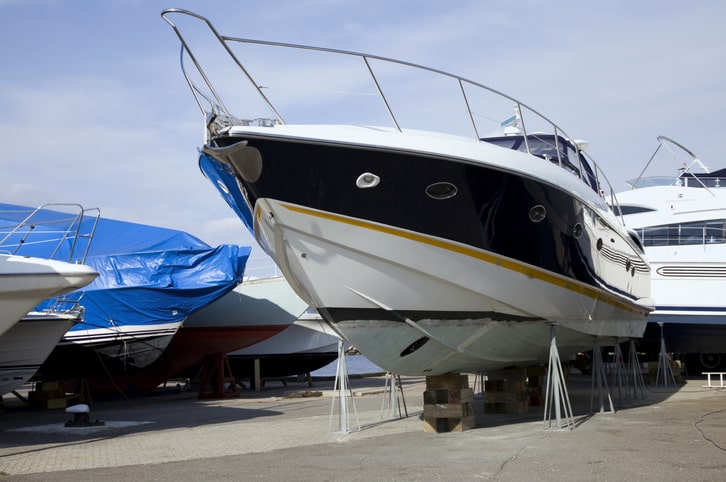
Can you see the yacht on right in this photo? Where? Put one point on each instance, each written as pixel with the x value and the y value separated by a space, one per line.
pixel 681 219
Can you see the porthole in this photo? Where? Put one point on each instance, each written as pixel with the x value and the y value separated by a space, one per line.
pixel 537 213
pixel 599 244
pixel 441 190
pixel 577 230
pixel 367 180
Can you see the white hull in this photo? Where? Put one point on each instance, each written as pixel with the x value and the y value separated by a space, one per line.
pixel 301 337
pixel 688 271
pixel 25 346
pixel 136 345
pixel 25 282
pixel 263 302
pixel 396 273
pixel 430 249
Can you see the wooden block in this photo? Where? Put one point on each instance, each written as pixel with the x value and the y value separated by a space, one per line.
pixel 447 382
pixel 505 397
pixel 52 385
pixel 440 425
pixel 448 410
pixel 448 396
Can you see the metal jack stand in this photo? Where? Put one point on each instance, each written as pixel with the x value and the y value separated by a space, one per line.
pixel 343 393
pixel 619 380
pixel 636 372
pixel 393 382
pixel 598 373
pixel 557 390
pixel 664 364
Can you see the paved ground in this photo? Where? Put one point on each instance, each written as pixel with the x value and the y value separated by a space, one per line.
pixel 676 433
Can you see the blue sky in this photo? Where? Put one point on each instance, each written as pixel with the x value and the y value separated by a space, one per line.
pixel 95 110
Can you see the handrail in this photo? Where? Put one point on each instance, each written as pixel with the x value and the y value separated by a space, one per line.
pixel 216 104
pixel 47 227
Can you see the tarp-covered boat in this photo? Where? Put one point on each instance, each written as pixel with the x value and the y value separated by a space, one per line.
pixel 150 280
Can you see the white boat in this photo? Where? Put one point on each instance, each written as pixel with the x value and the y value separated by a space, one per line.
pixel 308 344
pixel 27 280
pixel 681 219
pixel 253 311
pixel 26 345
pixel 432 252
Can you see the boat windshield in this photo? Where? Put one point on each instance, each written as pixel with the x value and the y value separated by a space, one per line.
pixel 552 148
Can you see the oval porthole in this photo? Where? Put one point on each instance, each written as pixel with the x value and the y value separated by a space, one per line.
pixel 599 244
pixel 414 346
pixel 367 180
pixel 577 230
pixel 537 213
pixel 222 186
pixel 441 190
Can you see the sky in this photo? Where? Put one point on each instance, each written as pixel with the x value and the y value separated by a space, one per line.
pixel 94 109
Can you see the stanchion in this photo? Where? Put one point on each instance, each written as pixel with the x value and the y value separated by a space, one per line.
pixel 664 364
pixel 556 397
pixel 391 401
pixel 619 381
pixel 636 372
pixel 343 393
pixel 598 375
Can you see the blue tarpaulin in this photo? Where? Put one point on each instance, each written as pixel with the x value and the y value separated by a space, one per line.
pixel 147 274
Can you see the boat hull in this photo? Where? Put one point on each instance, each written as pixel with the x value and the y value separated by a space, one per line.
pixel 252 312
pixel 390 298
pixel 681 224
pixel 26 281
pixel 305 346
pixel 399 264
pixel 25 346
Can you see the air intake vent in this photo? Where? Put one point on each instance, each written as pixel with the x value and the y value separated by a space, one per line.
pixel 693 271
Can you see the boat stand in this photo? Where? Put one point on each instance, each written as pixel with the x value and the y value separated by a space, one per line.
pixel 343 393
pixel 636 373
pixel 556 396
pixel 664 363
pixel 620 380
pixel 599 377
pixel 391 401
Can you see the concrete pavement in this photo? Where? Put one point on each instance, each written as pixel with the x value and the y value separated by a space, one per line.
pixel 676 433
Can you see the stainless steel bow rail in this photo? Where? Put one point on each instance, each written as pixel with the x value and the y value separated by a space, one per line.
pixel 212 105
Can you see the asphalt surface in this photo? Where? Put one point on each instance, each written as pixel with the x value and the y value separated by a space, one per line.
pixel 663 433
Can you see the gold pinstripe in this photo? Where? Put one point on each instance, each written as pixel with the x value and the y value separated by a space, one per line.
pixel 467 251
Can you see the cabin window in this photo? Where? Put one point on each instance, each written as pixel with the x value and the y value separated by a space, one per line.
pixel 683 234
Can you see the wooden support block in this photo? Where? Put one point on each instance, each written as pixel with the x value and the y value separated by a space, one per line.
pixel 448 404
pixel 447 382
pixel 440 425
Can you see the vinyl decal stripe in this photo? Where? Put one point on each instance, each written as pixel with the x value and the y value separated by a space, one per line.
pixel 466 251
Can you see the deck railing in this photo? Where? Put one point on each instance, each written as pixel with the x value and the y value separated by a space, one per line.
pixel 525 120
